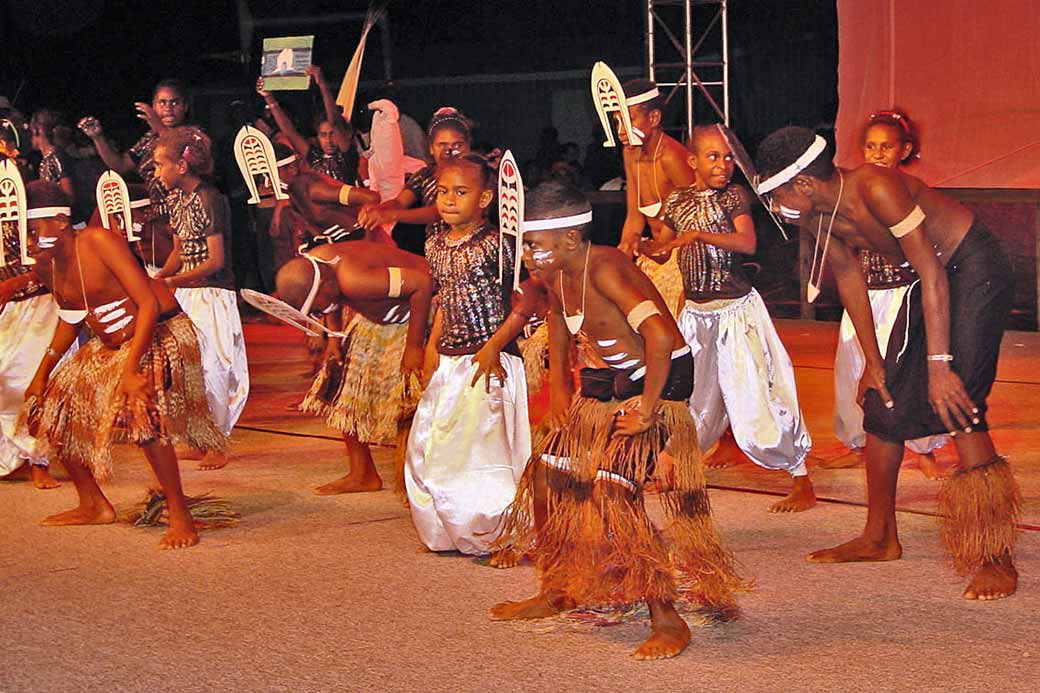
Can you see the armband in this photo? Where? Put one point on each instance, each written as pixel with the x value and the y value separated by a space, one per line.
pixel 912 221
pixel 344 195
pixel 641 312
pixel 395 282
pixel 940 357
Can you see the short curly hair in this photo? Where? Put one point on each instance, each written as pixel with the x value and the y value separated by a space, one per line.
pixel 782 147
pixel 189 144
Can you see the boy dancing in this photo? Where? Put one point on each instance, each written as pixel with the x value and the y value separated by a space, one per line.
pixel 941 358
pixel 591 537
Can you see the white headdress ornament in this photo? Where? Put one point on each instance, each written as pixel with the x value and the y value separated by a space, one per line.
pixel 609 97
pixel 787 174
pixel 113 200
pixel 297 317
pixel 12 209
pixel 255 156
pixel 747 167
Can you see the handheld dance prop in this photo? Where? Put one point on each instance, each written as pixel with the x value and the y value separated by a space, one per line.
pixel 299 318
pixel 609 97
pixel 255 156
pixel 510 213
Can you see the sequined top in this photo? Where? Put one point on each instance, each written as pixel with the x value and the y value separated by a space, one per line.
pixel 55 166
pixel 336 165
pixel 423 184
pixel 14 268
pixel 194 217
pixel 709 272
pixel 143 156
pixel 473 304
pixel 881 274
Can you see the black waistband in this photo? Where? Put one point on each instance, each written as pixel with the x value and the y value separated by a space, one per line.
pixel 606 384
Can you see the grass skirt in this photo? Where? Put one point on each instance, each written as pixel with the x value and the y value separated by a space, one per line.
pixel 371 398
pixel 598 545
pixel 82 416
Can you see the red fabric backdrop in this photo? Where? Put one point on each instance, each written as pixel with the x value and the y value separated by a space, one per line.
pixel 966 71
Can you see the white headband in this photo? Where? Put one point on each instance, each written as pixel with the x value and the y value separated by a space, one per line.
pixel 138 204
pixel 306 307
pixel 559 222
pixel 643 98
pixel 44 212
pixel 286 161
pixel 800 164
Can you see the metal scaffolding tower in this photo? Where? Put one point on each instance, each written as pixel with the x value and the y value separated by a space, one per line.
pixel 693 33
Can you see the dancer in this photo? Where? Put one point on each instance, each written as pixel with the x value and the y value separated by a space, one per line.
pixel 941 358
pixel 591 537
pixel 451 136
pixel 137 380
pixel 743 376
pixel 653 169
pixel 28 317
pixel 470 436
pixel 889 140
pixel 363 392
pixel 56 165
pixel 198 270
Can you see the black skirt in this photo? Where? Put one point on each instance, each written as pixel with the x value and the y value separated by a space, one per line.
pixel 981 294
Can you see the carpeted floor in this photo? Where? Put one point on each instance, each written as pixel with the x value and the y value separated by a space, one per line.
pixel 329 593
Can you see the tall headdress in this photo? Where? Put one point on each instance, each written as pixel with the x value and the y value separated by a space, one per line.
pixel 609 97
pixel 13 210
pixel 510 213
pixel 256 157
pixel 113 200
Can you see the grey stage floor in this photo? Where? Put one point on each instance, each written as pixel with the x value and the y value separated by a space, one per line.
pixel 316 593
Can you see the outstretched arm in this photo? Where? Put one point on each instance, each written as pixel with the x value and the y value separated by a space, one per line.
pixel 120 162
pixel 524 305
pixel 288 128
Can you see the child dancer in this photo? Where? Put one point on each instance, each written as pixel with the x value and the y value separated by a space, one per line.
pixel 743 376
pixel 198 270
pixel 138 380
pixel 889 140
pixel 593 541
pixel 470 436
pixel 363 392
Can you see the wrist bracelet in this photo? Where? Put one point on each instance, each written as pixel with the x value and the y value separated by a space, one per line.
pixel 344 194
pixel 940 357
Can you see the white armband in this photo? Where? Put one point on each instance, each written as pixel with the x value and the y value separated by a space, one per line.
pixel 912 221
pixel 395 282
pixel 641 312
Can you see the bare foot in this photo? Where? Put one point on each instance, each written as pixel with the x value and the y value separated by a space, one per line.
pixel 349 484
pixel 859 550
pixel 931 468
pixel 189 453
pixel 214 460
pixel 670 636
pixel 995 580
pixel 802 497
pixel 103 514
pixel 852 458
pixel 724 456
pixel 41 477
pixel 538 606
pixel 179 537
pixel 506 558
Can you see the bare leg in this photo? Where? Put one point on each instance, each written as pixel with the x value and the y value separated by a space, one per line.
pixel 181 533
pixel 931 468
pixel 93 508
pixel 880 539
pixel 510 557
pixel 539 606
pixel 852 458
pixel 802 497
pixel 726 454
pixel 362 477
pixel 998 577
pixel 41 477
pixel 670 634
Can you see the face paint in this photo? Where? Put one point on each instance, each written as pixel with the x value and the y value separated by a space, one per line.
pixel 788 213
pixel 46 242
pixel 638 133
pixel 542 257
